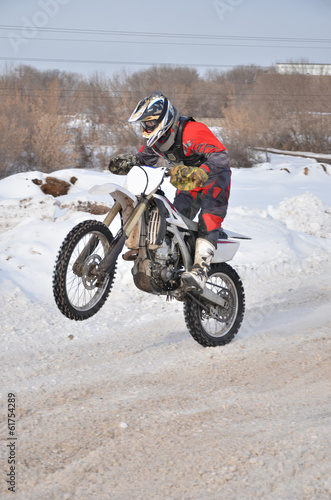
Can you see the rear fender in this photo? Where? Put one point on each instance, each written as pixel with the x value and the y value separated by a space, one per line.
pixel 225 251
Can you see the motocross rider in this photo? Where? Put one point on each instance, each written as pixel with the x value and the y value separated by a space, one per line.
pixel 200 172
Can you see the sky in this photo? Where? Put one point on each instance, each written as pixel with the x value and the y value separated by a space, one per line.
pixel 108 36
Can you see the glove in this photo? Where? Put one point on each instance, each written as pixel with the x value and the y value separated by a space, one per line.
pixel 122 164
pixel 187 178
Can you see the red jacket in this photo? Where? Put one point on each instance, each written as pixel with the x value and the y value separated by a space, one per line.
pixel 197 140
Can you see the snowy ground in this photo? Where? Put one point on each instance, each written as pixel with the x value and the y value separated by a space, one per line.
pixel 127 405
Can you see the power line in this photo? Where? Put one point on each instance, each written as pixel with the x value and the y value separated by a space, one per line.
pixel 169 35
pixel 250 98
pixel 84 40
pixel 132 63
pixel 96 91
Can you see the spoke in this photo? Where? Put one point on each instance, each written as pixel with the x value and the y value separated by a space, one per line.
pixel 80 290
pixel 221 285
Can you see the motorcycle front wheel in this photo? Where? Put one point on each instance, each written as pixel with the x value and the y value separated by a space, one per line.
pixel 78 292
pixel 212 326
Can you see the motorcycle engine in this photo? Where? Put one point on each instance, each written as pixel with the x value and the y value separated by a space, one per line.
pixel 155 268
pixel 165 260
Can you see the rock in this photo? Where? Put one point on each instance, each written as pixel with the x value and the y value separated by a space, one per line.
pixel 55 187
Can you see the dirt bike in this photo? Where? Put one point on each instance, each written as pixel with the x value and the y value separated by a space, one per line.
pixel 161 244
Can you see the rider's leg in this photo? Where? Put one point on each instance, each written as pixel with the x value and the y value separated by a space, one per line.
pixel 188 203
pixel 196 278
pixel 213 211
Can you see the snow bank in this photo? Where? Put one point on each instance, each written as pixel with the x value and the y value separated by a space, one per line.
pixel 282 177
pixel 305 213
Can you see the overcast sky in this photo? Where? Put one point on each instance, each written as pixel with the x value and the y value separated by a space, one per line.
pixel 227 33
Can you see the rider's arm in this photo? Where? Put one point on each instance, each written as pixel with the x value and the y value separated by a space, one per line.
pixel 215 163
pixel 198 138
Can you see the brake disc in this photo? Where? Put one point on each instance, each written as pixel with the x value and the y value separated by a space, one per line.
pixel 89 275
pixel 221 313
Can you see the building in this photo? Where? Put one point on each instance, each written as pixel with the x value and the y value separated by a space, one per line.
pixel 314 69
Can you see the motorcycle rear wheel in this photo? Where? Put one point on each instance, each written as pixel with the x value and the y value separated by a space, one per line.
pixel 77 291
pixel 216 328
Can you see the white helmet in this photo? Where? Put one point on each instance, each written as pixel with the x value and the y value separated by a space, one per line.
pixel 155 114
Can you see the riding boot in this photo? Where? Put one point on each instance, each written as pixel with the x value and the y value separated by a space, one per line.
pixel 195 279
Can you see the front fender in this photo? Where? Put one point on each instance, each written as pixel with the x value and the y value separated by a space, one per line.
pixel 118 193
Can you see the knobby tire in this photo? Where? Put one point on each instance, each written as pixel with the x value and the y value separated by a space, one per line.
pixel 63 268
pixel 197 318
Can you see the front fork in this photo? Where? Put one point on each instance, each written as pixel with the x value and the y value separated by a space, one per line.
pixel 115 209
pixel 117 245
pixel 93 241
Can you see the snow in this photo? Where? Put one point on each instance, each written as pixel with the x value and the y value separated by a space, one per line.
pixel 134 368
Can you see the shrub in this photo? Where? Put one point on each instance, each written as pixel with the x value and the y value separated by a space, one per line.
pixel 238 136
pixel 14 133
pixel 51 145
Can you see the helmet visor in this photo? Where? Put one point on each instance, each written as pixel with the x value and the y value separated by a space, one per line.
pixel 149 125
